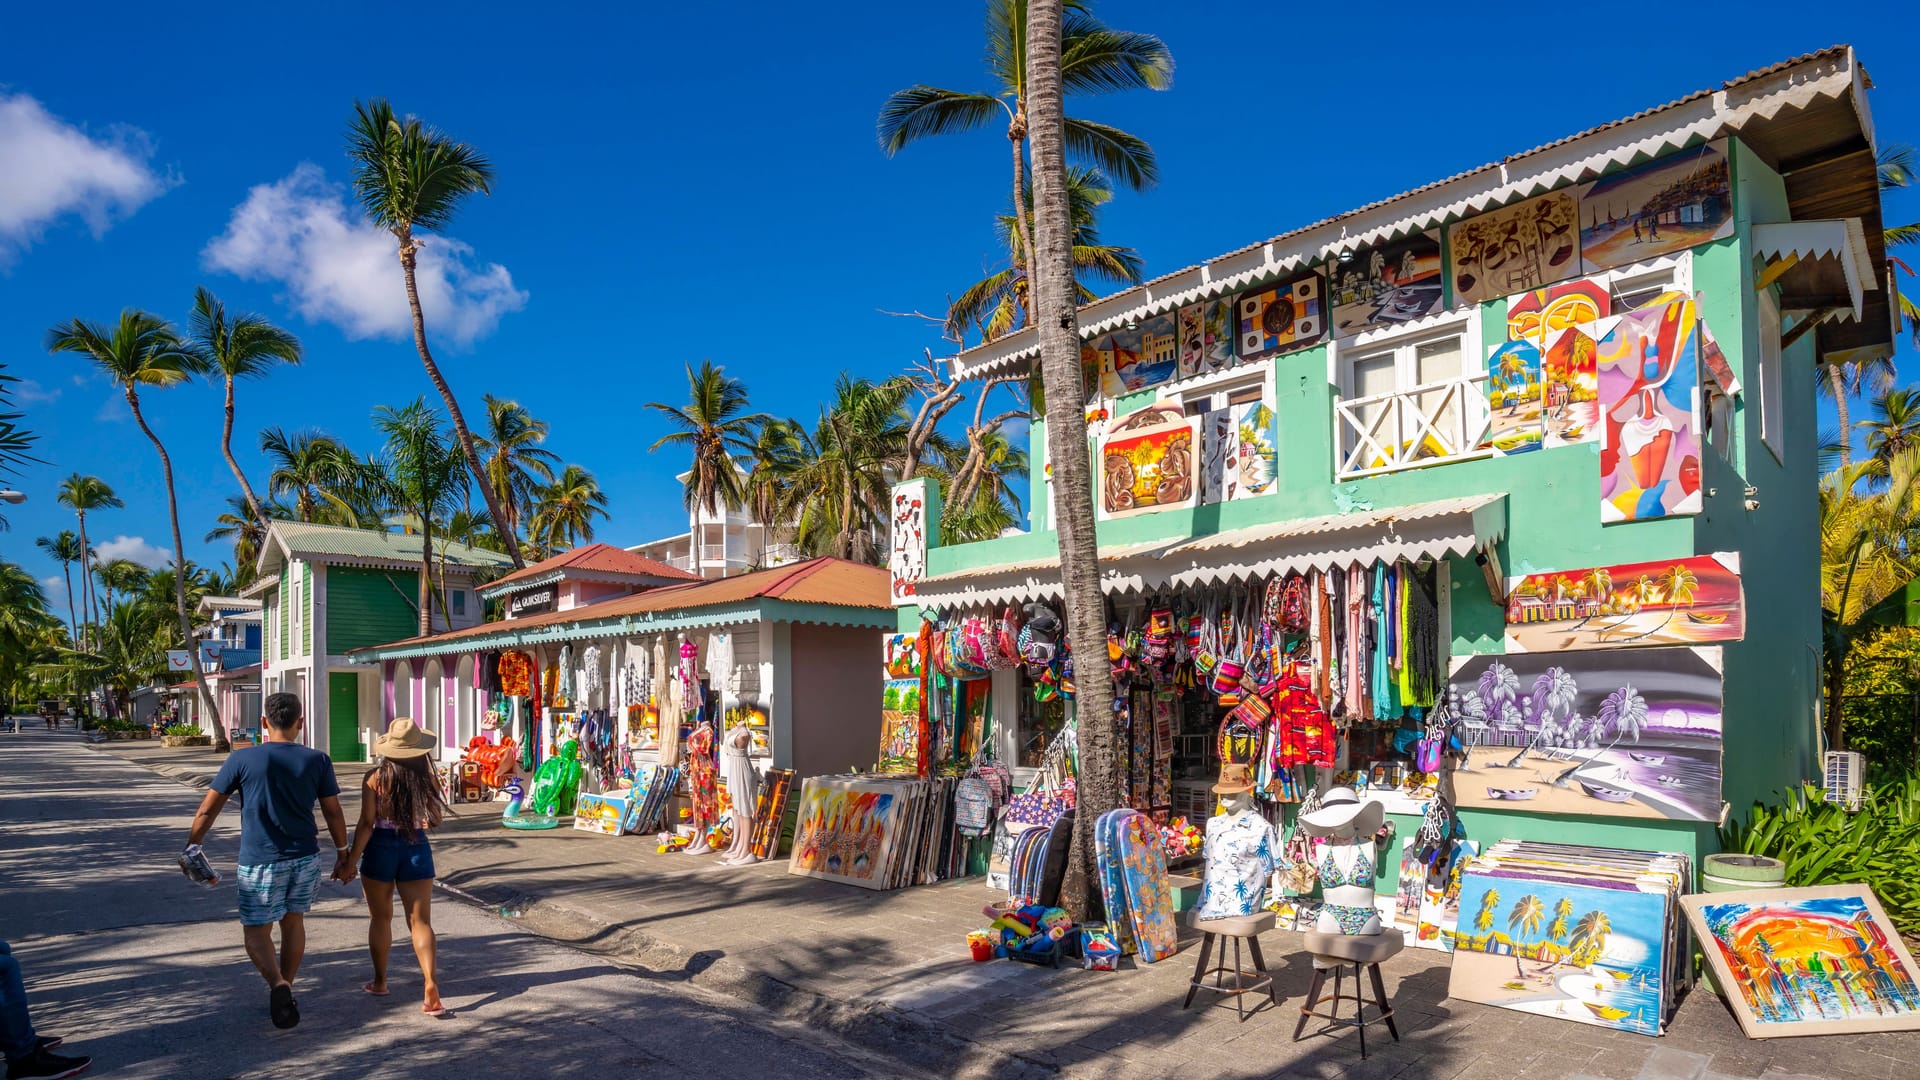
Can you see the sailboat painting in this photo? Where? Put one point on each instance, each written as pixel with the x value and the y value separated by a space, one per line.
pixel 1692 600
pixel 1594 953
pixel 1813 961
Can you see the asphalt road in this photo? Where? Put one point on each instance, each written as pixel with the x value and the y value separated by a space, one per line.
pixel 144 971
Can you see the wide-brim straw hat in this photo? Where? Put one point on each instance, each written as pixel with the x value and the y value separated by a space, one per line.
pixel 1341 809
pixel 1234 779
pixel 403 740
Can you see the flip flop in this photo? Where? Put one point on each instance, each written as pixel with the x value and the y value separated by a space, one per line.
pixel 281 1006
pixel 442 1013
pixel 367 988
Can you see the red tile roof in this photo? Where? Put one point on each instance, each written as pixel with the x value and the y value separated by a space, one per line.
pixel 598 559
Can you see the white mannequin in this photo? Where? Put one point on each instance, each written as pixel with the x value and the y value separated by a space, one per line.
pixel 1348 825
pixel 1241 849
pixel 737 770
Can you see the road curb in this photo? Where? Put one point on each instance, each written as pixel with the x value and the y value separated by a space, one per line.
pixel 900 1037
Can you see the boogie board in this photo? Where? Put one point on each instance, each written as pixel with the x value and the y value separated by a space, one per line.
pixel 1113 885
pixel 1149 895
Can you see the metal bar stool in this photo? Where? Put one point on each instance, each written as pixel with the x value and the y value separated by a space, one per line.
pixel 1239 928
pixel 1336 953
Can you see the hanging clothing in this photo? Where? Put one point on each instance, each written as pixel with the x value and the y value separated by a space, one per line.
pixel 1423 666
pixel 720 661
pixel 702 775
pixel 593 684
pixel 563 692
pixel 672 715
pixel 515 673
pixel 489 666
pixel 1302 733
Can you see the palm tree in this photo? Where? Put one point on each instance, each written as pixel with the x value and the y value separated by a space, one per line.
pixel 1525 918
pixel 16 441
pixel 563 516
pixel 997 304
pixel 1897 170
pixel 1554 692
pixel 517 465
pixel 774 462
pixel 1092 59
pixel 1678 584
pixel 143 350
pixel 715 424
pixel 247 533
pixel 1057 321
pixel 81 494
pixel 24 622
pixel 426 479
pixel 1894 428
pixel 410 177
pixel 1590 934
pixel 1562 910
pixel 65 548
pixel 312 468
pixel 236 347
pixel 1624 714
pixel 123 576
pixel 1489 908
pixel 855 455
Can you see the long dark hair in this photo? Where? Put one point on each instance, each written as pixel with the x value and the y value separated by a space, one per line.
pixel 409 795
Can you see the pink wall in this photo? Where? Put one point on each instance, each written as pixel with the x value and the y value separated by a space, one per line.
pixel 575 594
pixel 836 698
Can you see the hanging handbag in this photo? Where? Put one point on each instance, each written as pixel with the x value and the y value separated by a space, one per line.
pixel 972 805
pixel 1253 710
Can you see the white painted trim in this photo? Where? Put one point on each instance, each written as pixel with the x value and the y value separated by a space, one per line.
pixel 779 691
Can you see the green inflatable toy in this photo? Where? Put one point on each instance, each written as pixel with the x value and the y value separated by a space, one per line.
pixel 557 784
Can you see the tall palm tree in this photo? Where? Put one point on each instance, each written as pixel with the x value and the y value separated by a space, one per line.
pixel 64 547
pixel 856 453
pixel 1869 549
pixel 1894 427
pixel 142 350
pixel 1056 318
pixel 24 622
pixel 1897 169
pixel 997 304
pixel 1093 58
pixel 1562 911
pixel 247 533
pixel 517 465
pixel 1591 933
pixel 563 516
pixel 1526 916
pixel 774 462
pixel 427 480
pixel 123 576
pixel 314 469
pixel 409 178
pixel 1489 910
pixel 82 494
pixel 715 425
pixel 236 347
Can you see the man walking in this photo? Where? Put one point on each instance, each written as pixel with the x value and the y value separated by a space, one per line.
pixel 278 781
pixel 28 1054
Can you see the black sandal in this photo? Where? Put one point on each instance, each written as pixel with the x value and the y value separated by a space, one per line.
pixel 280 1005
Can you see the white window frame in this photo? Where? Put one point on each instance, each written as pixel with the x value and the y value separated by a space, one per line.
pixel 1669 273
pixel 1773 429
pixel 1403 342
pixel 1211 391
pixel 297 621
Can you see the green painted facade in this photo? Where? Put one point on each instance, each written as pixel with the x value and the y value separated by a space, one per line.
pixel 280 596
pixel 369 607
pixel 1553 509
pixel 306 609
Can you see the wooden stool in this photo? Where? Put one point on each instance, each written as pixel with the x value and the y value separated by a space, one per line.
pixel 1241 928
pixel 1338 952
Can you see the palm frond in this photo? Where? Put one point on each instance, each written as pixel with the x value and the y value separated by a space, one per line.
pixel 1123 156
pixel 1097 59
pixel 920 111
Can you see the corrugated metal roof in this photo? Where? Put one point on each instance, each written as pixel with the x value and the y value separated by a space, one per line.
pixel 325 543
pixel 820 584
pixel 598 559
pixel 1685 121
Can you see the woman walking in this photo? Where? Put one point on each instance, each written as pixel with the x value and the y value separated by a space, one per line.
pixel 400 802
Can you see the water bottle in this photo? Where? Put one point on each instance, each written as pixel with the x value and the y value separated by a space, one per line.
pixel 199 870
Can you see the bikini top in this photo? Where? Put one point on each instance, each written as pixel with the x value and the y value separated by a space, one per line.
pixel 1332 877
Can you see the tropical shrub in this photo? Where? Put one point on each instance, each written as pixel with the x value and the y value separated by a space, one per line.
pixel 181 729
pixel 1821 843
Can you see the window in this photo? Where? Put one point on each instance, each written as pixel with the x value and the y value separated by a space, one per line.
pixel 1410 394
pixel 299 611
pixel 458 598
pixel 1773 427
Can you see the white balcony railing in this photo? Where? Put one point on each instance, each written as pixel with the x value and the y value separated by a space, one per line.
pixel 718 553
pixel 1427 425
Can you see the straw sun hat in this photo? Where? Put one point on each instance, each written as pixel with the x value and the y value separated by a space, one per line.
pixel 403 740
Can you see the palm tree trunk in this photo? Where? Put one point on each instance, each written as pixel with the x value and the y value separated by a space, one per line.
pixel 1837 383
pixel 220 744
pixel 1023 259
pixel 1059 337
pixel 73 626
pixel 86 577
pixel 226 448
pixel 844 544
pixel 408 255
pixel 426 577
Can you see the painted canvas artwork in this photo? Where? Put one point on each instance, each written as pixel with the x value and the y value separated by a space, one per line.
pixel 1528 245
pixel 1714 360
pixel 1148 462
pixel 1253 466
pixel 1666 205
pixel 1570 393
pixel 1649 370
pixel 1136 358
pixel 1585 952
pixel 1539 315
pixel 845 830
pixel 1206 337
pixel 907 553
pixel 900 726
pixel 1219 437
pixel 1386 285
pixel 1691 601
pixel 1611 732
pixel 1814 961
pixel 1514 396
pixel 1284 317
pixel 1440 903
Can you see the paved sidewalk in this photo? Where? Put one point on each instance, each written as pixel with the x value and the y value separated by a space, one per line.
pixel 888 971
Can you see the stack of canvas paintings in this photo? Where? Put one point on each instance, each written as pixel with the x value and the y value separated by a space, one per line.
pixel 876 831
pixel 1592 935
pixel 1813 961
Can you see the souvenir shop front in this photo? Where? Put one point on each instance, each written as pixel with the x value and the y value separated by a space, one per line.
pixel 644 696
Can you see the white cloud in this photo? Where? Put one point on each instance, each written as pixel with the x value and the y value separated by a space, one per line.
pixel 136 549
pixel 337 268
pixel 30 392
pixel 50 169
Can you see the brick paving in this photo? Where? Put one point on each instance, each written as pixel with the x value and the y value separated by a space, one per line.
pixel 890 972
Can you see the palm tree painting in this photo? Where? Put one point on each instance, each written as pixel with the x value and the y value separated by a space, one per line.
pixel 1693 600
pixel 1615 732
pixel 1513 398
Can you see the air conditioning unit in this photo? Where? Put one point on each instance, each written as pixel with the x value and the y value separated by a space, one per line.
pixel 1844 773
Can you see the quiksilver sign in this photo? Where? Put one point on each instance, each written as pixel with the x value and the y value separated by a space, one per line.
pixel 531 603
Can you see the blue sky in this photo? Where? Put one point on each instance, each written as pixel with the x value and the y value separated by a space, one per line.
pixel 696 182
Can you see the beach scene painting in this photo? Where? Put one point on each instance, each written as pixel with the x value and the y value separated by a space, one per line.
pixel 1514 395
pixel 845 831
pixel 1666 205
pixel 1649 364
pixel 1594 953
pixel 1690 601
pixel 1386 285
pixel 1606 732
pixel 1812 961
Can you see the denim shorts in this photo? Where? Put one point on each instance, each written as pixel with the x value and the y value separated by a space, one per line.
pixel 272 891
pixel 389 858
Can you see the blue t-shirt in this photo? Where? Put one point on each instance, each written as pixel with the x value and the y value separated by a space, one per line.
pixel 279 783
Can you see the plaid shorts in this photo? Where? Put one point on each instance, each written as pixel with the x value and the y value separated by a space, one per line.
pixel 272 891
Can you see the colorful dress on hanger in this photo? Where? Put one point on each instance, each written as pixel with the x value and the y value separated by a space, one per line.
pixel 702 774
pixel 1303 734
pixel 516 674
